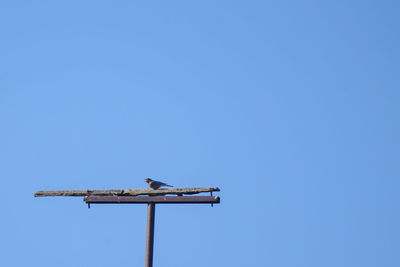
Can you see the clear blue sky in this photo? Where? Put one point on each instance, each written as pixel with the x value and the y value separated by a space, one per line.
pixel 290 107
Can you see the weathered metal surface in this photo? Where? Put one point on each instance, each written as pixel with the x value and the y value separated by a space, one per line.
pixel 156 199
pixel 127 192
pixel 151 208
pixel 77 193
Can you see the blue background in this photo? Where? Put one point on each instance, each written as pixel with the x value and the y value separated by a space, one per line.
pixel 290 107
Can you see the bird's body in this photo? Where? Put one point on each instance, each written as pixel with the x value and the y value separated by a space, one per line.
pixel 155 184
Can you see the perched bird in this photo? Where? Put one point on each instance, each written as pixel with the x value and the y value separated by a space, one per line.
pixel 155 184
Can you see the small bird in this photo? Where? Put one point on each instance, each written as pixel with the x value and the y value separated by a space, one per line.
pixel 155 184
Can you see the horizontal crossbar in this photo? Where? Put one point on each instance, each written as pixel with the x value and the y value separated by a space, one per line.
pixel 156 199
pixel 127 192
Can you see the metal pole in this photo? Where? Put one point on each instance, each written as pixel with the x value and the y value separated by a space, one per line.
pixel 151 208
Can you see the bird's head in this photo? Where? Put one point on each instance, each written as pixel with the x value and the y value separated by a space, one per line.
pixel 147 180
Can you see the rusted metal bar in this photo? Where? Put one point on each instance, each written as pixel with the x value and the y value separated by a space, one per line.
pixel 127 192
pixel 157 199
pixel 151 208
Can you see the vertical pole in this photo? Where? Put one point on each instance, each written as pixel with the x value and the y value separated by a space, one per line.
pixel 151 208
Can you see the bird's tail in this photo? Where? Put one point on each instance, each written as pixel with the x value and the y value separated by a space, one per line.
pixel 169 185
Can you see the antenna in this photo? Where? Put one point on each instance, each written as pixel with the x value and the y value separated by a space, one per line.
pixel 142 196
